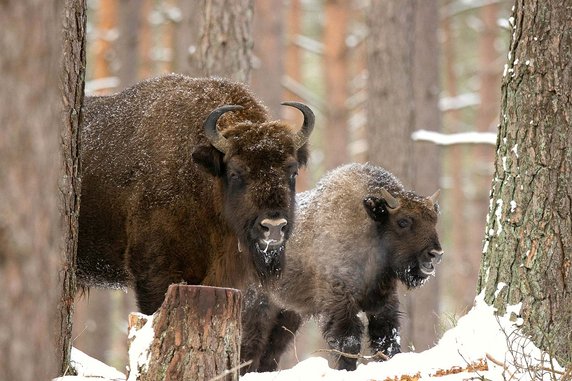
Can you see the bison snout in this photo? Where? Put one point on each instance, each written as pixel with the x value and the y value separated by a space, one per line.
pixel 436 256
pixel 273 230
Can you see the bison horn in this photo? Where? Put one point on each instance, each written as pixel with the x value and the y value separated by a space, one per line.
pixel 435 196
pixel 392 202
pixel 212 133
pixel 308 125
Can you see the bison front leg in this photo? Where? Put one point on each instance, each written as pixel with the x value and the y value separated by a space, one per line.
pixel 282 334
pixel 344 335
pixel 383 329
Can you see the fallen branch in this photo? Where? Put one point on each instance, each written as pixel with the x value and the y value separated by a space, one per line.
pixel 379 356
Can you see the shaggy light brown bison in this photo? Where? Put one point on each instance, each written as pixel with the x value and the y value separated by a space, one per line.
pixel 358 234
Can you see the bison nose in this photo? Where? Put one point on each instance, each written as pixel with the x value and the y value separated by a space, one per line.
pixel 273 229
pixel 436 256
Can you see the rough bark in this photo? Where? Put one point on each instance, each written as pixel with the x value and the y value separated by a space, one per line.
pixel 528 240
pixel 73 79
pixel 197 335
pixel 402 96
pixel 220 42
pixel 30 117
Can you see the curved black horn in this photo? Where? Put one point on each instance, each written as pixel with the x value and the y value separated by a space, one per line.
pixel 209 126
pixel 308 125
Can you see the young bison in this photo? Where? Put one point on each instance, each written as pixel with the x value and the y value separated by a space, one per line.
pixel 168 197
pixel 357 234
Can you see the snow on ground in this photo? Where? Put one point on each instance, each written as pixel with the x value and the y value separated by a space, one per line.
pixel 492 347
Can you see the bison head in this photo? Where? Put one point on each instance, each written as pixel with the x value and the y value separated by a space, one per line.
pixel 406 226
pixel 257 164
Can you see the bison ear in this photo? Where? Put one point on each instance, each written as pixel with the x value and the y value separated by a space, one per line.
pixel 302 155
pixel 209 158
pixel 376 208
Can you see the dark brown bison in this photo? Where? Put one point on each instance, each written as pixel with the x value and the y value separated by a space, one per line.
pixel 357 234
pixel 169 197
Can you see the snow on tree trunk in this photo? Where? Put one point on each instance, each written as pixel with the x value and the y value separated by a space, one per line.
pixel 195 335
pixel 527 254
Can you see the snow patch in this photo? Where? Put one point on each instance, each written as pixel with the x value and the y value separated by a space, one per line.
pixel 139 354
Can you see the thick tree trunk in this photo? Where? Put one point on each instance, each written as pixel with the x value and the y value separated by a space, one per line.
pixel 195 335
pixel 74 52
pixel 403 91
pixel 528 241
pixel 30 224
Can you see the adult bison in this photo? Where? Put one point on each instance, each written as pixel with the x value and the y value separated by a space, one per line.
pixel 357 234
pixel 169 197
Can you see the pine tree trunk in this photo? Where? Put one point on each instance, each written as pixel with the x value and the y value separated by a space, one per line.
pixel 30 223
pixel 528 242
pixel 197 335
pixel 267 73
pixel 402 96
pixel 336 70
pixel 221 42
pixel 74 33
pixel 129 15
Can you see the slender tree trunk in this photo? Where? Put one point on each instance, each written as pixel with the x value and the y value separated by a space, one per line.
pixel 268 32
pixel 30 224
pixel 527 257
pixel 476 204
pixel 457 265
pixel 73 80
pixel 221 39
pixel 403 90
pixel 103 45
pixel 337 77
pixel 129 15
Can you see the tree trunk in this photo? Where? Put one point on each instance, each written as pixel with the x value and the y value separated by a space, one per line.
pixel 104 53
pixel 196 335
pixel 74 41
pixel 30 224
pixel 221 42
pixel 336 70
pixel 528 242
pixel 129 15
pixel 403 90
pixel 268 27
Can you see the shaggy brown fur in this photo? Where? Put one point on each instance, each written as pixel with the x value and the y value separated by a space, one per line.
pixel 161 205
pixel 347 252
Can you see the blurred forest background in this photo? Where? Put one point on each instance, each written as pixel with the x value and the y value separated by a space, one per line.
pixel 348 60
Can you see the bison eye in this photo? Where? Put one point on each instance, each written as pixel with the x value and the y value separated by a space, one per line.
pixel 404 223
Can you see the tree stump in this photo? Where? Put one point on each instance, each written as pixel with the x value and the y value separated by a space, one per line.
pixel 195 335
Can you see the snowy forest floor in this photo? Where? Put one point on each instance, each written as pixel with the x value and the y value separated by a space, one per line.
pixel 481 346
